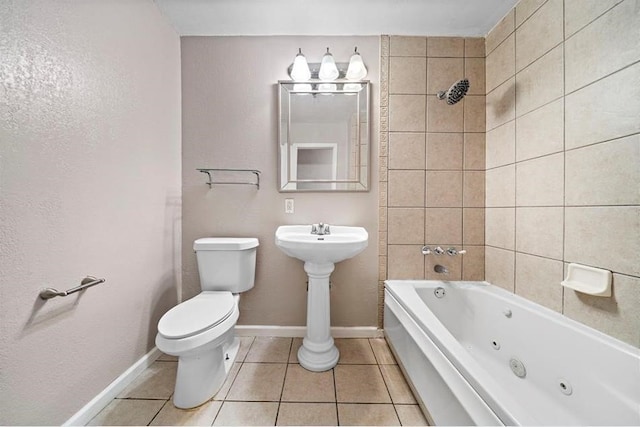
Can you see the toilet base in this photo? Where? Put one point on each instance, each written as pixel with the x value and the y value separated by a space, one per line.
pixel 200 375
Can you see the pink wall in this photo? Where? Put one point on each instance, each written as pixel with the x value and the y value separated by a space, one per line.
pixel 230 120
pixel 89 184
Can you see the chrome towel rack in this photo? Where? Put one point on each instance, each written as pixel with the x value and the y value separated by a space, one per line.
pixel 87 282
pixel 211 181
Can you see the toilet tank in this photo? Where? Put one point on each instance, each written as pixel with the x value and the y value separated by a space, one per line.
pixel 226 263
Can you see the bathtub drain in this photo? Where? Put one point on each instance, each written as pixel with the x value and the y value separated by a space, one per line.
pixel 439 292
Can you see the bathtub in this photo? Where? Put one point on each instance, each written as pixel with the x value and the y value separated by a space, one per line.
pixel 475 354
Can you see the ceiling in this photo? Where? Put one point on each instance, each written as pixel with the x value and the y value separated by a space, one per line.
pixel 334 17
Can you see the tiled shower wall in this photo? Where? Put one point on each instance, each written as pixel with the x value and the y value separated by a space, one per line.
pixel 432 158
pixel 563 156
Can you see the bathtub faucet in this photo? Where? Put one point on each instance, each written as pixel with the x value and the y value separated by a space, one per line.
pixel 440 269
pixel 320 229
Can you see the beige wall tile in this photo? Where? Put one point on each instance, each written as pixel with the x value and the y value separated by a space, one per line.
pixel 473 189
pixel 474 113
pixel 442 117
pixel 603 47
pixel 367 415
pixel 406 188
pixel 526 8
pixel 444 189
pixel 604 174
pixel 473 226
pixel 407 113
pixel 540 83
pixel 443 225
pixel 499 267
pixel 540 182
pixel 539 231
pixel 501 104
pixel 407 46
pixel 578 13
pixel 405 226
pixel 474 47
pixel 473 263
pixel 407 75
pixel 541 131
pixel 548 21
pixel 538 280
pixel 500 225
pixel 501 31
pixel 443 72
pixel 307 414
pixel 445 47
pixel 603 237
pixel 501 145
pixel 501 63
pixel 613 114
pixel 474 151
pixel 474 70
pixel 405 262
pixel 452 263
pixel 444 151
pixel 501 186
pixel 407 150
pixel 617 316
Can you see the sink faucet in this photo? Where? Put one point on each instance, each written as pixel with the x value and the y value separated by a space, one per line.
pixel 320 229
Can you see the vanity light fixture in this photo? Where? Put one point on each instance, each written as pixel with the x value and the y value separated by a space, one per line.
pixel 356 70
pixel 328 69
pixel 300 70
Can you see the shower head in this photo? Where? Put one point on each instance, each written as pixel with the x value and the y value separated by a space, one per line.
pixel 456 92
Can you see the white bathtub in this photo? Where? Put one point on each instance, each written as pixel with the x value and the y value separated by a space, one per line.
pixel 456 352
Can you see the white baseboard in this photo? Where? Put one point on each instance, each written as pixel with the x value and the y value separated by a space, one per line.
pixel 98 403
pixel 299 331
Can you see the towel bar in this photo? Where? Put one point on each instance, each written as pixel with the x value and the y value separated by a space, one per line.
pixel 87 282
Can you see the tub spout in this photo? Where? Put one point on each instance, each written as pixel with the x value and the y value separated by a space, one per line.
pixel 440 269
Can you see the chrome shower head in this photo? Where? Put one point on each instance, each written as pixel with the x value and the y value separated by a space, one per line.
pixel 456 92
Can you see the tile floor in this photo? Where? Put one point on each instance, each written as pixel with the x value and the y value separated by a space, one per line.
pixel 267 386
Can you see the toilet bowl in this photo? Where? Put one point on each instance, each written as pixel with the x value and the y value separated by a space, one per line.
pixel 200 331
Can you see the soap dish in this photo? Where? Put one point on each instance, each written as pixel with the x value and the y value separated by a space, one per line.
pixel 588 280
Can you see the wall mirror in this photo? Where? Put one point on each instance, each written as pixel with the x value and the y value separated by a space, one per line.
pixel 323 136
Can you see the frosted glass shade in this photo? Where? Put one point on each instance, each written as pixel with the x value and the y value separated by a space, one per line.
pixel 328 69
pixel 300 70
pixel 356 70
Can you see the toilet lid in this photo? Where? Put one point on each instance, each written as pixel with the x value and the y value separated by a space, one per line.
pixel 201 312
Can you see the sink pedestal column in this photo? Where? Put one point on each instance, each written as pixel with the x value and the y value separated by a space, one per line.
pixel 318 352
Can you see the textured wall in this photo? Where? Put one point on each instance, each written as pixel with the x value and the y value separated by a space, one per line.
pixel 89 184
pixel 230 120
pixel 563 155
pixel 432 188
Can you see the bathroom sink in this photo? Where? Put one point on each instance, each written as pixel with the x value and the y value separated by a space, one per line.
pixel 341 243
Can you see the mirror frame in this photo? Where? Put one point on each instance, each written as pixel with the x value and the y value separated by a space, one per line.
pixel 289 184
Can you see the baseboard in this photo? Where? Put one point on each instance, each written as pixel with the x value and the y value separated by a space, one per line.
pixel 299 331
pixel 97 404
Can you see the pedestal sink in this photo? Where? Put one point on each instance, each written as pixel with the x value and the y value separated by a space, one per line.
pixel 320 252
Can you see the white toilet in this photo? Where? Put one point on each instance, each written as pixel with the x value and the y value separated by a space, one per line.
pixel 200 331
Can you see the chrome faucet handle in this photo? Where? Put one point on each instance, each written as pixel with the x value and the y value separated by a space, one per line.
pixel 454 251
pixel 438 250
pixel 327 230
pixel 314 229
pixel 426 250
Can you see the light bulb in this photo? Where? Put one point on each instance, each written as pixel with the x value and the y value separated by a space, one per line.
pixel 328 69
pixel 300 70
pixel 356 70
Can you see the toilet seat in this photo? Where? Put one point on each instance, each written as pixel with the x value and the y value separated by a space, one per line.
pixel 202 312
